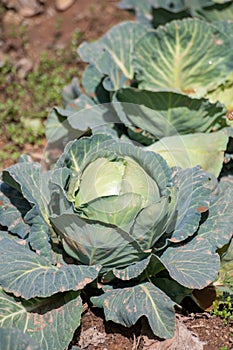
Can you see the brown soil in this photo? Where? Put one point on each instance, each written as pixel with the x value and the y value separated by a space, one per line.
pixel 97 334
pixel 212 330
pixel 49 31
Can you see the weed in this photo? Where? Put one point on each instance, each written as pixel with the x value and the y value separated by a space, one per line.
pixel 223 308
pixel 24 103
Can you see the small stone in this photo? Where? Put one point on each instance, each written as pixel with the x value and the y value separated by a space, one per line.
pixel 29 8
pixel 24 66
pixel 12 18
pixel 62 5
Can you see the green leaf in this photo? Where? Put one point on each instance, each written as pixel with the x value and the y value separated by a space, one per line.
pixel 178 58
pixel 226 268
pixel 91 79
pixel 16 339
pixel 71 91
pixel 193 197
pixel 168 113
pixel 76 152
pixel 50 322
pixel 12 209
pixel 57 127
pixel 126 306
pixel 91 242
pixel 118 210
pixel 27 177
pixel 39 235
pixel 152 221
pixel 218 227
pixel 216 12
pixel 223 93
pixel 141 8
pixel 174 290
pixel 28 275
pixel 112 54
pixel 187 151
pixel 151 264
pixel 193 265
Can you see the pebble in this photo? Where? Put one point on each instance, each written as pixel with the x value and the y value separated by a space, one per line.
pixel 24 66
pixel 62 5
pixel 12 18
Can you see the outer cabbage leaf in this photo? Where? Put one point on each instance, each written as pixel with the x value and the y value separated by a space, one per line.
pixel 218 227
pixel 178 58
pixel 193 193
pixel 216 12
pixel 27 178
pixel 50 322
pixel 223 93
pixel 15 339
pixel 149 266
pixel 159 12
pixel 226 268
pixel 12 209
pixel 206 150
pixel 71 91
pixel 112 54
pixel 28 275
pixel 142 300
pixel 168 113
pixel 193 265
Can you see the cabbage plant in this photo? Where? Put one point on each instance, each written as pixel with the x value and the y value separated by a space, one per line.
pixel 112 220
pixel 157 12
pixel 173 81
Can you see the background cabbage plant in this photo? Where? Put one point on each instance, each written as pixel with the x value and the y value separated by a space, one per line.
pixel 170 82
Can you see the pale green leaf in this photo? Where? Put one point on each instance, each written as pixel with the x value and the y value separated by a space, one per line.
pixel 177 57
pixel 187 151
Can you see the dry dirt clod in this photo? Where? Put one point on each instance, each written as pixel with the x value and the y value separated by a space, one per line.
pixel 62 5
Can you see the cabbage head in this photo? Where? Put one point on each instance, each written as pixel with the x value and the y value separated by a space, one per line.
pixel 120 201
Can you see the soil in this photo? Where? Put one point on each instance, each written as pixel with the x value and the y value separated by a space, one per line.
pixel 51 30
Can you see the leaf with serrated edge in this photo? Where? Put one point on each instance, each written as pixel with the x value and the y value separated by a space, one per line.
pixel 126 306
pixel 51 322
pixel 28 275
